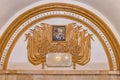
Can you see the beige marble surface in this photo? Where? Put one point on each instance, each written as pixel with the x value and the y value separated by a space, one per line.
pixel 58 75
pixel 103 72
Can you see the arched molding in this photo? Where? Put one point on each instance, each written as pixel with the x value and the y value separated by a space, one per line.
pixel 74 2
pixel 13 27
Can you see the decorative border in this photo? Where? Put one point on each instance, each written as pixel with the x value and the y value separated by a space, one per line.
pixel 56 72
pixel 75 13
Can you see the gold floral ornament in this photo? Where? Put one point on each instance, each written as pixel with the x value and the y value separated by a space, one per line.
pixel 77 42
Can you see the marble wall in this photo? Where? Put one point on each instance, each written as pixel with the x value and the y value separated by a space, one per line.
pixel 59 75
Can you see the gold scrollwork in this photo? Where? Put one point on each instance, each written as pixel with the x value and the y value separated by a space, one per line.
pixel 77 43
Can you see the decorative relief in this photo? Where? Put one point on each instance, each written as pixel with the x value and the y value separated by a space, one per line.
pixel 59 13
pixel 74 40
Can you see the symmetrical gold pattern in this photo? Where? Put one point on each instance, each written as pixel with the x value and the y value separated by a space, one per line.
pixel 65 7
pixel 40 43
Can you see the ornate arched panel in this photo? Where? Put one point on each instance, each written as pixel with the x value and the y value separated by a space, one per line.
pixel 81 15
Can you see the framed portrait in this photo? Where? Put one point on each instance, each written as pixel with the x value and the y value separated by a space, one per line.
pixel 58 33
